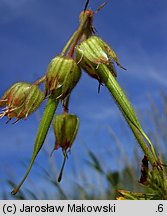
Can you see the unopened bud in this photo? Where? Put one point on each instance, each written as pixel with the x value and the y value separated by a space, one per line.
pixel 21 100
pixel 93 52
pixel 63 73
pixel 65 128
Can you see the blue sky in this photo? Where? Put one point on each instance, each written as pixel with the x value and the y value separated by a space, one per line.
pixel 32 32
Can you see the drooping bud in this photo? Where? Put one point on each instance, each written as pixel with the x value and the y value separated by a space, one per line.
pixel 93 52
pixel 65 128
pixel 21 100
pixel 63 73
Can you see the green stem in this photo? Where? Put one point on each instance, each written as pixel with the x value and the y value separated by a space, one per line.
pixel 41 135
pixel 76 35
pixel 70 41
pixel 39 81
pixel 79 32
pixel 141 141
pixel 127 111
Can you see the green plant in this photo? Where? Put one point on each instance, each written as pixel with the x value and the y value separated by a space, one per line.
pixel 87 51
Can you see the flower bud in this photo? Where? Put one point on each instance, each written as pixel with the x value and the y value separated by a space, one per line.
pixel 21 100
pixel 63 72
pixel 65 128
pixel 93 52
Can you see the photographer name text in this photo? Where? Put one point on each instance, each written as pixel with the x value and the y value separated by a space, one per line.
pixel 67 208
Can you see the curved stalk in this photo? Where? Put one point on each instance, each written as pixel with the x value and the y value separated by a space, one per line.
pixel 126 108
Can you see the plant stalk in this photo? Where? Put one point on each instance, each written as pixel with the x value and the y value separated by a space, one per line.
pixel 41 135
pixel 126 108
